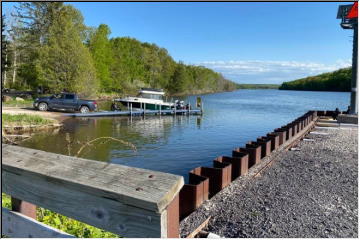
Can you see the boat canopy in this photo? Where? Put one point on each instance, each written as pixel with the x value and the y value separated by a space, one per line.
pixel 152 91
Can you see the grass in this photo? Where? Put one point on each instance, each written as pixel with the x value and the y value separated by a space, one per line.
pixel 66 224
pixel 14 103
pixel 23 119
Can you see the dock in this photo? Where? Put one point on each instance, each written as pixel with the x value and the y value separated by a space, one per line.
pixel 137 113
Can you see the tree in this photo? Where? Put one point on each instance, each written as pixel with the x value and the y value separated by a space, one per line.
pixel 180 79
pixel 128 69
pixel 36 19
pixel 29 26
pixel 64 62
pixel 51 47
pixel 4 52
pixel 339 80
pixel 101 52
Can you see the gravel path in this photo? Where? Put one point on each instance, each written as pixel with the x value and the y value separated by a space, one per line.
pixel 308 193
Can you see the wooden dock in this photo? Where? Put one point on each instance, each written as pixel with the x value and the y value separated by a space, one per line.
pixel 137 113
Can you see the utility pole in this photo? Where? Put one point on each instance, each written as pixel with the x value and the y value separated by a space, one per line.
pixel 349 20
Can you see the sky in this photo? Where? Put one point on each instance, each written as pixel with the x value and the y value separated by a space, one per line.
pixel 246 42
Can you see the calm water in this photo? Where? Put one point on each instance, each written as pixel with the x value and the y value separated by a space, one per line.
pixel 179 144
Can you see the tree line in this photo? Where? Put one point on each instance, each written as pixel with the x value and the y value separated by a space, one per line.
pixel 338 81
pixel 257 86
pixel 47 44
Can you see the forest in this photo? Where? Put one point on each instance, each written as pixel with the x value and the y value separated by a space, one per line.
pixel 337 81
pixel 47 45
pixel 256 86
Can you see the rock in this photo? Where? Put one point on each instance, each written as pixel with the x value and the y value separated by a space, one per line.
pixel 19 99
pixel 6 98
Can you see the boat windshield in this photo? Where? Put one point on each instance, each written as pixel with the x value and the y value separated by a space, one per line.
pixel 151 96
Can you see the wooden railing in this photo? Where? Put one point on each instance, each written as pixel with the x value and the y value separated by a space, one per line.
pixel 128 201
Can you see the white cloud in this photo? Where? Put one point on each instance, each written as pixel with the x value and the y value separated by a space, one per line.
pixel 256 71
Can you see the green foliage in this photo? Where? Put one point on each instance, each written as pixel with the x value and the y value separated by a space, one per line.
pixel 102 55
pixel 36 19
pixel 71 226
pixel 28 34
pixel 257 86
pixel 59 52
pixel 64 62
pixel 66 224
pixel 23 119
pixel 180 79
pixel 339 81
pixel 5 200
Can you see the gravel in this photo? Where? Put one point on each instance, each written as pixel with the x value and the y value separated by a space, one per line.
pixel 310 192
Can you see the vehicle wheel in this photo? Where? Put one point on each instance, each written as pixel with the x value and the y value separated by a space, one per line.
pixel 84 109
pixel 43 106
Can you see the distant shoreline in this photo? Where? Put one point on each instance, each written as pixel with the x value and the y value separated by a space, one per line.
pixel 257 86
pixel 311 90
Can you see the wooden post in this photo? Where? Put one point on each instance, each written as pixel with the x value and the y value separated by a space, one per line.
pixel 173 218
pixel 23 207
pixel 130 109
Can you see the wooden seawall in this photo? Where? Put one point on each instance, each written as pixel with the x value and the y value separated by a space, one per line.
pixel 128 201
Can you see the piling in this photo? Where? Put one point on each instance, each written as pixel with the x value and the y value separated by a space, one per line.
pixel 239 164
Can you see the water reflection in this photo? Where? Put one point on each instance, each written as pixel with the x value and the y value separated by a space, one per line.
pixel 177 144
pixel 145 132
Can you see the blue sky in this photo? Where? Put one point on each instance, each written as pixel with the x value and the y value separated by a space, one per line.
pixel 247 42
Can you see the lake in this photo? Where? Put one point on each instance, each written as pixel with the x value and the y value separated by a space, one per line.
pixel 177 144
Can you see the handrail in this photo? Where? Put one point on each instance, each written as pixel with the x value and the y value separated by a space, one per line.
pixel 131 202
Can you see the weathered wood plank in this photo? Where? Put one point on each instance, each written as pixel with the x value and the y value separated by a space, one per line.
pixel 17 225
pixel 133 186
pixel 128 201
pixel 99 211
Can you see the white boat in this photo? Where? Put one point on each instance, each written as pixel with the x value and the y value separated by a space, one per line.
pixel 148 98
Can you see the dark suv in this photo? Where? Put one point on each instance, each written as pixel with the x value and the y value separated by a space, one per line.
pixel 65 101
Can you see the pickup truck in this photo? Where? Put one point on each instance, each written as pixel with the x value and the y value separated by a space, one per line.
pixel 65 101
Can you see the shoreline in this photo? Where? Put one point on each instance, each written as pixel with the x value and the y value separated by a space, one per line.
pixel 56 116
pixel 16 132
pixel 283 200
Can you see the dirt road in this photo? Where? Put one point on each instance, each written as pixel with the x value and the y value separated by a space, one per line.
pixel 59 116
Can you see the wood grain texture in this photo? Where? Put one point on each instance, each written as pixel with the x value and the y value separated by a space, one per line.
pixel 123 200
pixel 17 225
pixel 132 186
